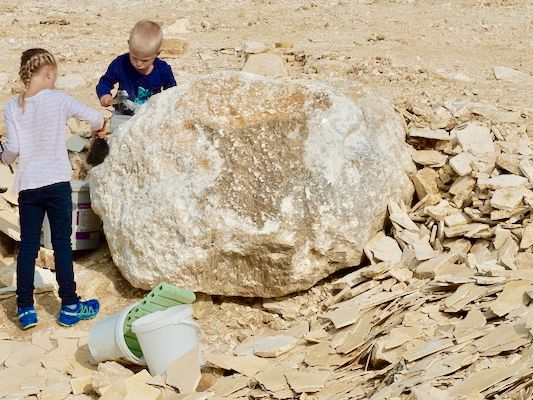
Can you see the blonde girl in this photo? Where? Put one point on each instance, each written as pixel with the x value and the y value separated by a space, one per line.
pixel 35 123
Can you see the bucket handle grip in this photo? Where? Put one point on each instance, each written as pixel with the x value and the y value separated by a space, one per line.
pixel 188 323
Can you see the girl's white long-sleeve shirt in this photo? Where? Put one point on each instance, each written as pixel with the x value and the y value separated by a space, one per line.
pixel 37 137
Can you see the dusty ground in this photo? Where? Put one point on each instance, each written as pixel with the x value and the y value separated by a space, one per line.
pixel 417 53
pixel 399 47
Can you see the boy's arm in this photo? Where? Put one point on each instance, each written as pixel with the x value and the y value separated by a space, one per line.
pixel 169 80
pixel 106 83
pixel 11 147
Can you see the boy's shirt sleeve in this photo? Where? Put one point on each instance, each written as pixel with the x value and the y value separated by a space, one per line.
pixel 109 79
pixel 169 81
pixel 11 147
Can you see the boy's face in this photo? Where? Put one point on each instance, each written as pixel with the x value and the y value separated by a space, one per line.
pixel 141 60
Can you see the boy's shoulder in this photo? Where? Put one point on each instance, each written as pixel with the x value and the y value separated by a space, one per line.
pixel 161 64
pixel 120 59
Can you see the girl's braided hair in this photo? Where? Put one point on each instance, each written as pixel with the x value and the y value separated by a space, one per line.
pixel 31 62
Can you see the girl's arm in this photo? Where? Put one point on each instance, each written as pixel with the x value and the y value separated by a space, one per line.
pixel 11 147
pixel 75 109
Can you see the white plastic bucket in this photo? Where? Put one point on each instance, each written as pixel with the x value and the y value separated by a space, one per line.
pixel 165 336
pixel 86 225
pixel 106 339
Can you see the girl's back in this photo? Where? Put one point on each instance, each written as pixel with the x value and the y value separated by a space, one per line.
pixel 38 136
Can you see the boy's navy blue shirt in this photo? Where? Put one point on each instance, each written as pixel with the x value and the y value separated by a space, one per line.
pixel 139 87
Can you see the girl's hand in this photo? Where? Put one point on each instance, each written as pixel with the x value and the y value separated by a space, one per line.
pixel 102 132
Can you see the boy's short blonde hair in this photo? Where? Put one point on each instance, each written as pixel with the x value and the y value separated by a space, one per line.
pixel 146 36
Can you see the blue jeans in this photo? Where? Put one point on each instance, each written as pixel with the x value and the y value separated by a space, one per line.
pixel 56 201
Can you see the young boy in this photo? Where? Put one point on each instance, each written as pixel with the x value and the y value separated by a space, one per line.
pixel 139 73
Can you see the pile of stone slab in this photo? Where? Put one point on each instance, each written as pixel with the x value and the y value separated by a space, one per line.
pixel 441 311
pixel 54 365
pixel 57 365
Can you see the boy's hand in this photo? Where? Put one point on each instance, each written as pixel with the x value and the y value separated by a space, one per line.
pixel 106 100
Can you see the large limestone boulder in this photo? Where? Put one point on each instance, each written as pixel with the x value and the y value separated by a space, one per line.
pixel 239 185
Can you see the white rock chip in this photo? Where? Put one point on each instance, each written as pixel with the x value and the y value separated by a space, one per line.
pixel 253 47
pixel 526 166
pixel 461 163
pixel 273 346
pixel 108 373
pixel 177 28
pixel 384 248
pixel 502 181
pixel 475 139
pixel 506 199
pixel 438 134
pixel 70 82
pixel 509 74
pixel 75 143
pixel 266 64
pixel 432 158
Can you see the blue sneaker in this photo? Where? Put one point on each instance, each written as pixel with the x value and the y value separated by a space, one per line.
pixel 27 317
pixel 71 315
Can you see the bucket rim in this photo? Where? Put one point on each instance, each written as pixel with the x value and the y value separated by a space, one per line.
pixel 79 185
pixel 121 342
pixel 158 319
pixel 118 333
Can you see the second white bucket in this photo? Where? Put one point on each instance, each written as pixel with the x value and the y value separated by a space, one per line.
pixel 165 336
pixel 106 339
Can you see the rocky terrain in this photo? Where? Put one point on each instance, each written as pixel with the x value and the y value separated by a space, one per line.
pixel 441 309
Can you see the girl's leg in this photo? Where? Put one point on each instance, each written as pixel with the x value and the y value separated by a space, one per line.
pixel 31 213
pixel 59 211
